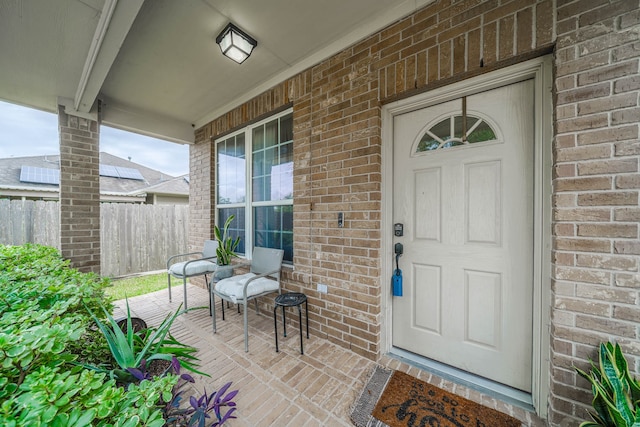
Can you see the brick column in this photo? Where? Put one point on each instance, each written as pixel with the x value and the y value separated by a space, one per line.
pixel 596 249
pixel 79 191
pixel 201 193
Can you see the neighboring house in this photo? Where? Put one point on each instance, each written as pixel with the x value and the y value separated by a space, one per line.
pixel 172 192
pixel 121 181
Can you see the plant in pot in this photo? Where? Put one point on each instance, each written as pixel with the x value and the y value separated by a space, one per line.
pixel 226 248
pixel 134 350
pixel 616 394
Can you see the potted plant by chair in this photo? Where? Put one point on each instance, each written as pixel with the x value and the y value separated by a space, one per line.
pixel 226 248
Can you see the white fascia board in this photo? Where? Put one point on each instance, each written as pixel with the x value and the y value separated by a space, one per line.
pixel 29 192
pixel 6 188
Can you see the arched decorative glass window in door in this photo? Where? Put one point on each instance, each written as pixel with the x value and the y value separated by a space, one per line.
pixel 456 130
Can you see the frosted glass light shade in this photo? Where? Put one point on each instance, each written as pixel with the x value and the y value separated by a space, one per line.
pixel 235 43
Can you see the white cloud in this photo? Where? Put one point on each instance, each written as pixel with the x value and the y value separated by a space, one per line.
pixel 27 132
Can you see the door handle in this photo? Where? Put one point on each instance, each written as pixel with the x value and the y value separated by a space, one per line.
pixel 399 249
pixel 396 278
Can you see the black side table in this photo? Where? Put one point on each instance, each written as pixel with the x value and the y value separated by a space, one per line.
pixel 291 299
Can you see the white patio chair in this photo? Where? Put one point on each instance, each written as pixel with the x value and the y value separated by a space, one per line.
pixel 263 278
pixel 202 265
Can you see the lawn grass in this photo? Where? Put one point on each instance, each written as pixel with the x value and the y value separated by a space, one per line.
pixel 138 285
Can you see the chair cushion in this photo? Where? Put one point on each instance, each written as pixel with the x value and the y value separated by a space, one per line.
pixel 233 286
pixel 195 268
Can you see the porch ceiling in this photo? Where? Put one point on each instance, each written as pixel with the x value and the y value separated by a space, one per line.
pixel 155 64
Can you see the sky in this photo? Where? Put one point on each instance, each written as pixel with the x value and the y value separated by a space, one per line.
pixel 29 132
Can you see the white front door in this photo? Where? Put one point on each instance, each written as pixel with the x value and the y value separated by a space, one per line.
pixel 463 189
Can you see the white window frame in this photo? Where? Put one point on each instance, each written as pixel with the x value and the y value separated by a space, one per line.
pixel 248 204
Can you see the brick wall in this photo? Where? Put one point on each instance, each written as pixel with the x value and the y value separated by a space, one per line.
pixel 337 161
pixel 596 182
pixel 337 143
pixel 79 191
pixel 449 41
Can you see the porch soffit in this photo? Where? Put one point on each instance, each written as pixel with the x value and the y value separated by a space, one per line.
pixel 155 64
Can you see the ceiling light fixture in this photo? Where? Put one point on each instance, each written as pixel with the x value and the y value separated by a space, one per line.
pixel 235 43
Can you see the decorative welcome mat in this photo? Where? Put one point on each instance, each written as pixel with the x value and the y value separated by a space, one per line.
pixel 395 399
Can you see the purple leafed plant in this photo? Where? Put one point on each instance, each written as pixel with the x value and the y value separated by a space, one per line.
pixel 198 412
pixel 140 373
pixel 201 407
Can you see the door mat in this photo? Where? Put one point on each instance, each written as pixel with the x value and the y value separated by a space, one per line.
pixel 405 401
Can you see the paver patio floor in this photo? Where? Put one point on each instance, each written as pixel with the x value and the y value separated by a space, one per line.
pixel 285 388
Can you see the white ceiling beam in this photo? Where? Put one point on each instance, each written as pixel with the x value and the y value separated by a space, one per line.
pixel 114 25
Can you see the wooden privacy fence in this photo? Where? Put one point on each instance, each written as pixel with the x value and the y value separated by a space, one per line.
pixel 134 238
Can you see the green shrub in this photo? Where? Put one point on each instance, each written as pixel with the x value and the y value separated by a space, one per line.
pixel 52 325
pixel 48 337
pixel 54 398
pixel 42 310
pixel 44 324
pixel 37 283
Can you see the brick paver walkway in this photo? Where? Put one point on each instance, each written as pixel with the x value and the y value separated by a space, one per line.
pixel 285 388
